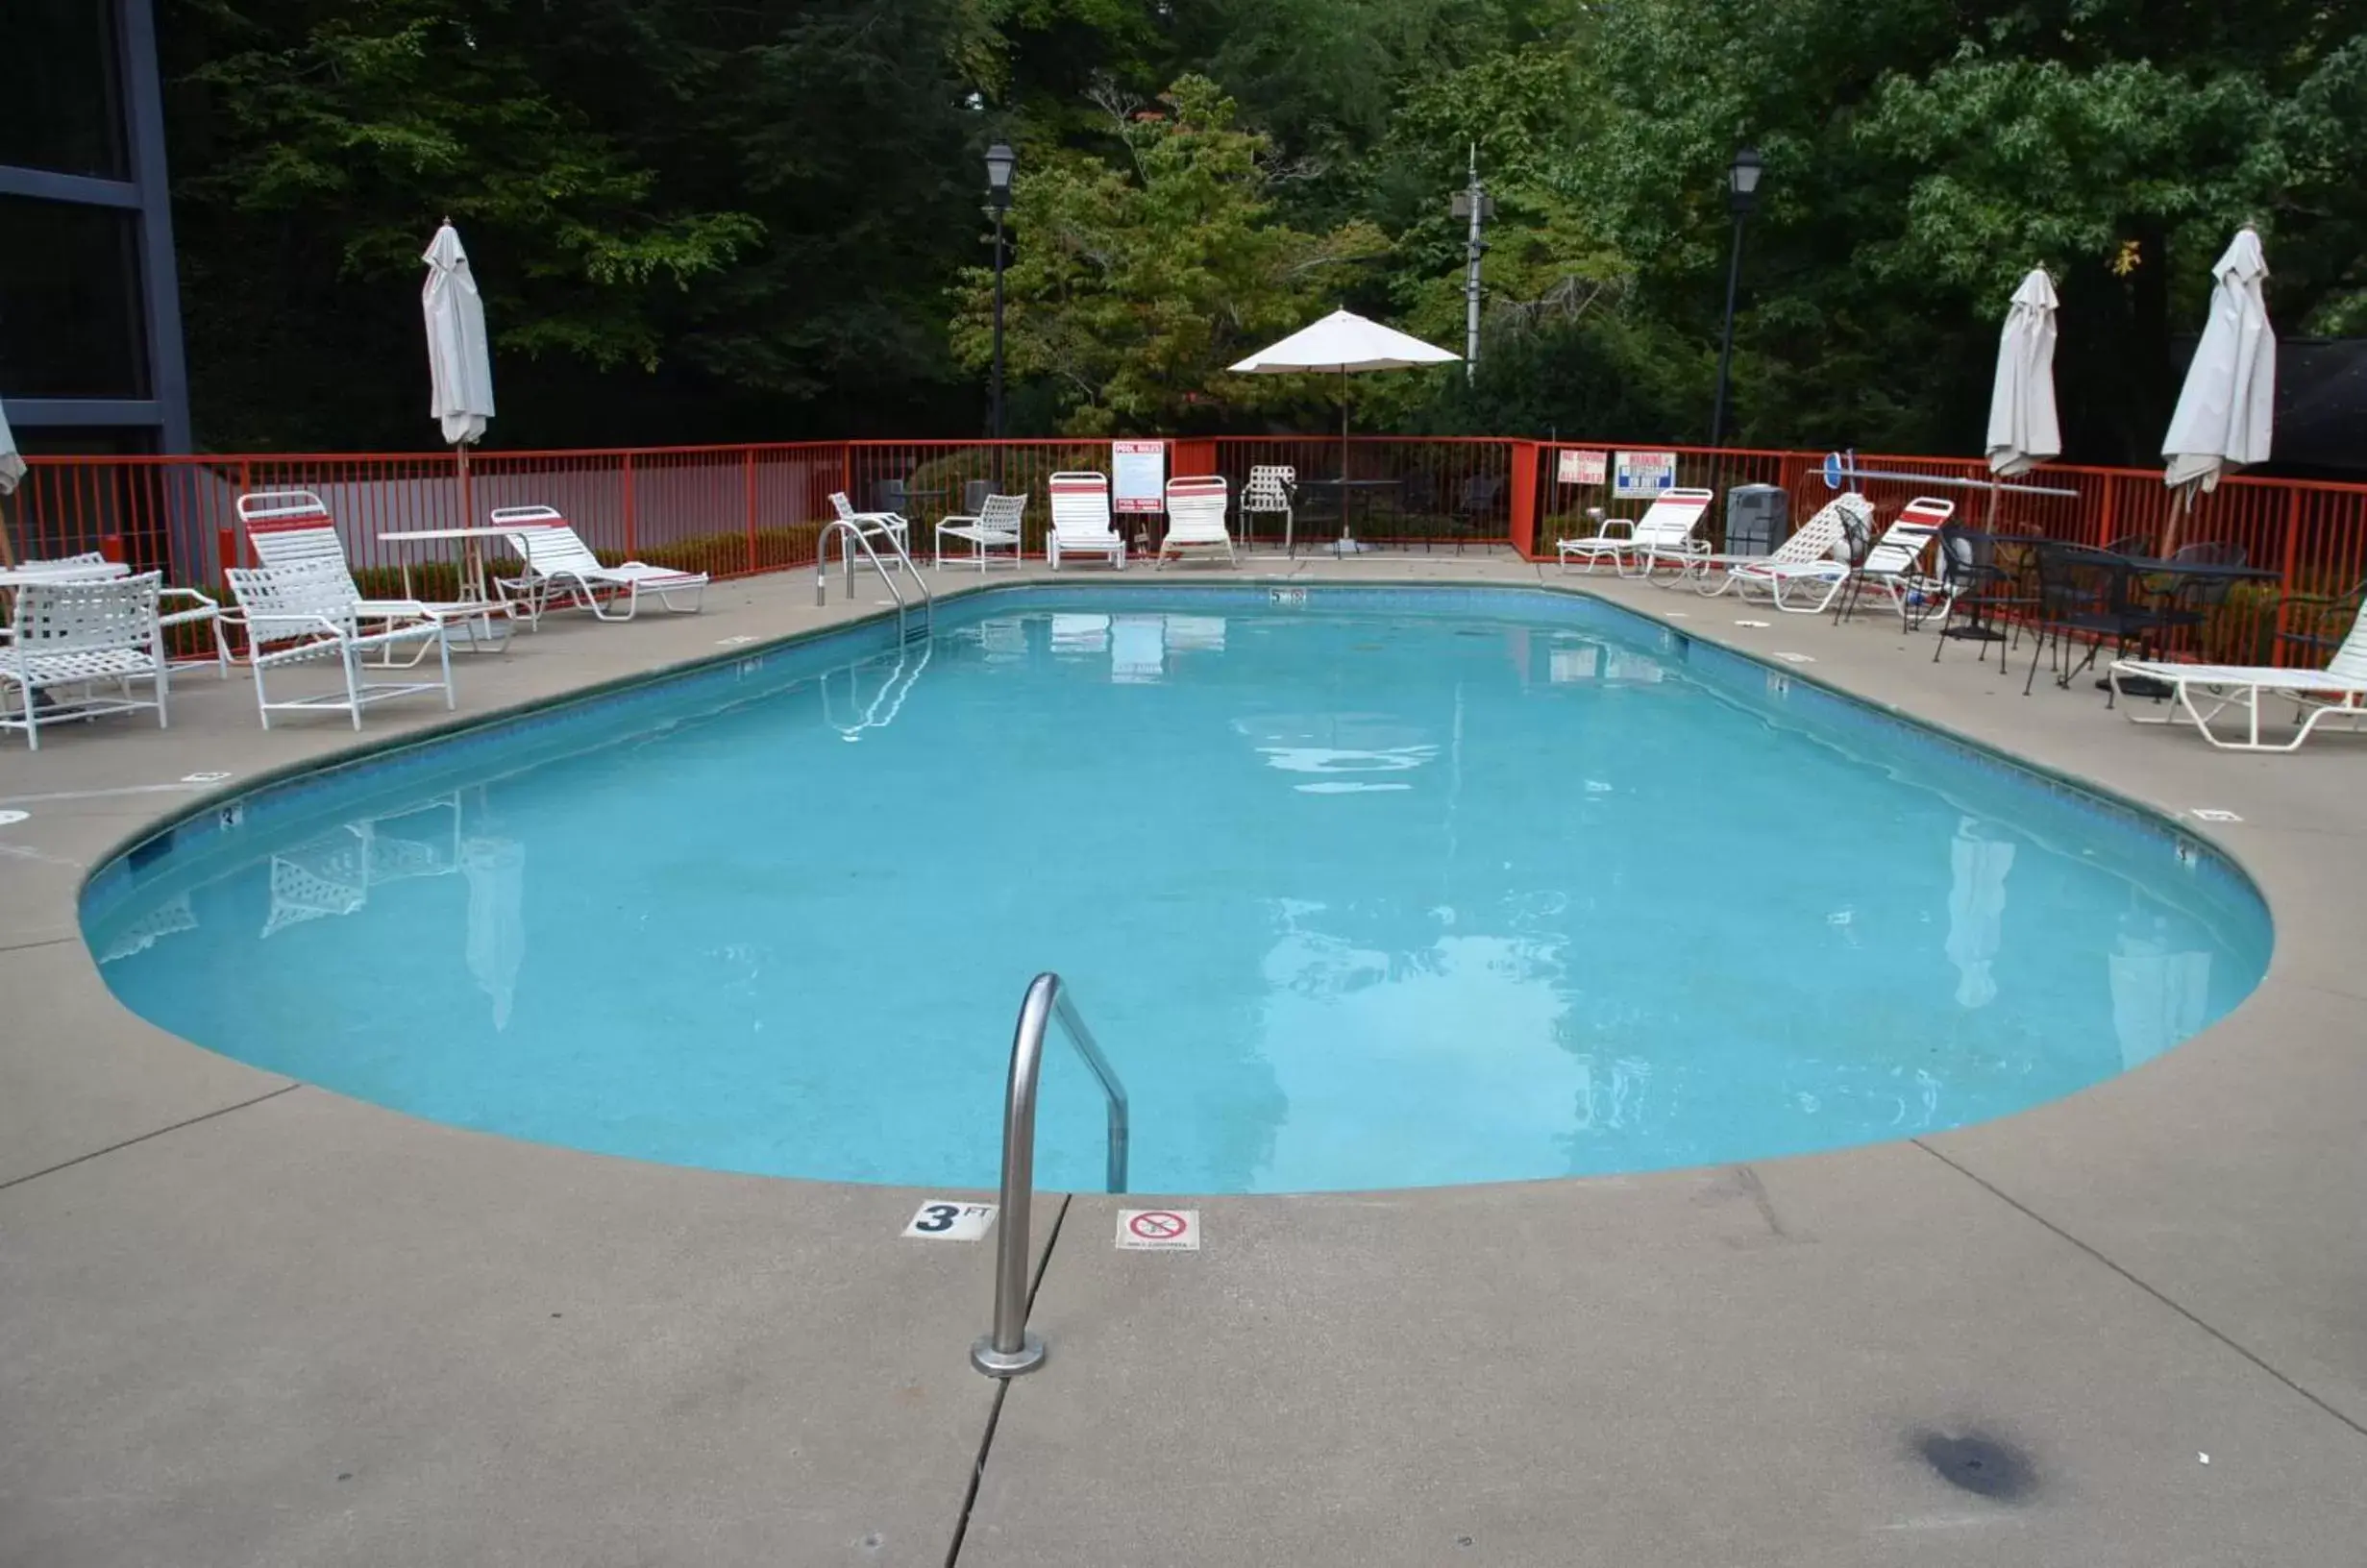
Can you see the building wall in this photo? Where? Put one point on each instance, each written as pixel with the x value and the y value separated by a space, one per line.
pixel 90 356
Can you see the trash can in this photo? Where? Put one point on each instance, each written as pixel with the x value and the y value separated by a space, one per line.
pixel 1758 519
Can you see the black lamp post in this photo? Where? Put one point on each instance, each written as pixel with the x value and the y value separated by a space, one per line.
pixel 1741 195
pixel 1000 160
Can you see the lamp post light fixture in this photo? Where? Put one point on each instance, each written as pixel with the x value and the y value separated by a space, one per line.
pixel 1741 195
pixel 1000 160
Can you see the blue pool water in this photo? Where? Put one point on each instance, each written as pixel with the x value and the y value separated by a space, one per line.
pixel 1379 889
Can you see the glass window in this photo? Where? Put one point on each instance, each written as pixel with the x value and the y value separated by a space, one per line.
pixel 62 101
pixel 69 302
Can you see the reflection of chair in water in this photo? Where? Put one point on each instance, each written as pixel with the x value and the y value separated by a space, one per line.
pixel 1603 663
pixel 496 871
pixel 1137 649
pixel 1004 637
pixel 1080 633
pixel 2159 995
pixel 1196 633
pixel 334 873
pixel 168 918
pixel 1976 909
pixel 1608 1101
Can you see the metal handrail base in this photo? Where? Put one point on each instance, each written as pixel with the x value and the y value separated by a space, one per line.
pixel 1010 1350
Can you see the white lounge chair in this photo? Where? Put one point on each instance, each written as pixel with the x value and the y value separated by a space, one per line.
pixel 1665 532
pixel 2205 691
pixel 78 631
pixel 1195 517
pixel 995 525
pixel 310 611
pixel 1895 563
pixel 1081 519
pixel 293 528
pixel 558 561
pixel 1805 560
pixel 891 520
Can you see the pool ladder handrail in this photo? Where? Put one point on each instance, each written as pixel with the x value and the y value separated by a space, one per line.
pixel 1010 1350
pixel 861 529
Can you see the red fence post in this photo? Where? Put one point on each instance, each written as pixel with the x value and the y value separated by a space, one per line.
pixel 1524 499
pixel 747 486
pixel 626 475
pixel 2285 572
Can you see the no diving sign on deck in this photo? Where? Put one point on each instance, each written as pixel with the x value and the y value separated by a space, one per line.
pixel 1158 1230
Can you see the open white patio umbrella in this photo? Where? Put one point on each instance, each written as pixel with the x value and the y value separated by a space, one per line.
pixel 1346 343
pixel 459 361
pixel 2023 429
pixel 2228 407
pixel 11 473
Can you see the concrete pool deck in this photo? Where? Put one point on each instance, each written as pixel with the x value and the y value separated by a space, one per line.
pixel 246 1321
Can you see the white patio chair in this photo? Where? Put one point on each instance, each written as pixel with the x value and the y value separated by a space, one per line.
pixel 78 632
pixel 293 528
pixel 1270 490
pixel 1802 561
pixel 1895 563
pixel 1081 519
pixel 1663 534
pixel 1196 518
pixel 993 525
pixel 199 609
pixel 892 523
pixel 2205 691
pixel 310 611
pixel 558 561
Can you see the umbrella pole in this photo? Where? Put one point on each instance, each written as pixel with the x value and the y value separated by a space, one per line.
pixel 2179 509
pixel 1347 546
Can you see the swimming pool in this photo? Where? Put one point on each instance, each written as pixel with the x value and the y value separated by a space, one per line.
pixel 1359 888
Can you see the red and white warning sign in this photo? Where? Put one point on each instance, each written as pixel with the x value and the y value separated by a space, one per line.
pixel 1158 1230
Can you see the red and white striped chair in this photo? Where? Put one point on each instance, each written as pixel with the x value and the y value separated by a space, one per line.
pixel 293 529
pixel 1081 519
pixel 1195 517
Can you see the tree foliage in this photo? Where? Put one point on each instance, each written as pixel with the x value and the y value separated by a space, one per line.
pixel 1134 287
pixel 706 221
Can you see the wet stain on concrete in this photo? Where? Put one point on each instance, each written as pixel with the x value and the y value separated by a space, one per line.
pixel 1979 1462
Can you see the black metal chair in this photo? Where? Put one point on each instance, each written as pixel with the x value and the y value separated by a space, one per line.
pixel 892 496
pixel 2316 623
pixel 2082 592
pixel 1479 508
pixel 1975 584
pixel 2131 544
pixel 2188 603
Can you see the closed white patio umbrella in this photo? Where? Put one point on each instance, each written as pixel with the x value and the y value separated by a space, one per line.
pixel 2023 429
pixel 459 360
pixel 11 473
pixel 2227 410
pixel 1346 343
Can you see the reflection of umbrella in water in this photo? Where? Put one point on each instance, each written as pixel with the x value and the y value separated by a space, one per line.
pixel 2159 995
pixel 1975 910
pixel 496 871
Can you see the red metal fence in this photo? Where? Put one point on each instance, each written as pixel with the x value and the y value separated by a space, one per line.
pixel 735 510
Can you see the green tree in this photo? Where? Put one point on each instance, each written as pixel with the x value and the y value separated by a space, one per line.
pixel 1131 289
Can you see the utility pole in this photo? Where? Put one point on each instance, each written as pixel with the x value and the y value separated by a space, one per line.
pixel 1473 203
